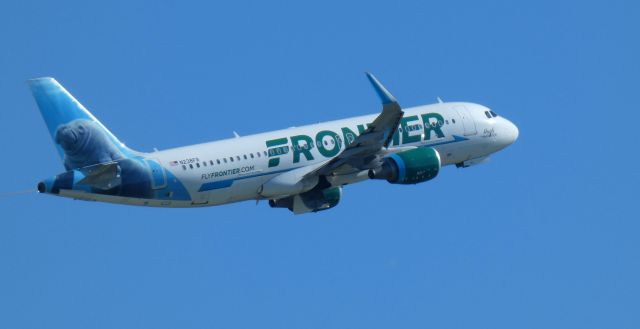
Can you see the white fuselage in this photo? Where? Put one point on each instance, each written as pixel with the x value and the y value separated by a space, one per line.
pixel 234 169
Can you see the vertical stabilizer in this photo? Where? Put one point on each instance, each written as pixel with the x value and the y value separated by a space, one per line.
pixel 81 140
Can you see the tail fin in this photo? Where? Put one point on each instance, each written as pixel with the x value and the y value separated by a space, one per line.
pixel 81 140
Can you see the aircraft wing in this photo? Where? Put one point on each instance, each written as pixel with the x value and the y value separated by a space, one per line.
pixel 366 151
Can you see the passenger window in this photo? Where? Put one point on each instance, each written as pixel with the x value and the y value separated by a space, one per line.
pixel 191 166
pixel 258 153
pixel 238 157
pixel 211 162
pixel 218 161
pixel 453 121
pixel 487 114
pixel 231 158
pixel 446 121
pixel 265 153
pixel 225 160
pixel 184 167
pixel 251 154
pixel 204 163
pixel 198 164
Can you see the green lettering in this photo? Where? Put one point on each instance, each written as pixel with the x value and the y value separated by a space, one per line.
pixel 274 153
pixel 301 148
pixel 333 146
pixel 348 135
pixel 276 142
pixel 361 129
pixel 406 138
pixel 435 127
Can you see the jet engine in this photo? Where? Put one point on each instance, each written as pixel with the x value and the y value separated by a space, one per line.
pixel 408 167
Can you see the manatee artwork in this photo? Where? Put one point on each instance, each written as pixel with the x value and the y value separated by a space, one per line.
pixel 85 143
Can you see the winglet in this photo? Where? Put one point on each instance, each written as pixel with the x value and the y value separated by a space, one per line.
pixel 384 94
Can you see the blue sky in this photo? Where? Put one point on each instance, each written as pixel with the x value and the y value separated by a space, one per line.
pixel 544 235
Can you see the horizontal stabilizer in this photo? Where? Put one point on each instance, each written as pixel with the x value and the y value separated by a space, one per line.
pixel 104 176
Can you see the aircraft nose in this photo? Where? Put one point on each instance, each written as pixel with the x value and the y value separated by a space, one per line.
pixel 507 134
pixel 512 131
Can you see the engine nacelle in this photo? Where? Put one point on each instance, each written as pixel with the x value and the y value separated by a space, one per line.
pixel 310 201
pixel 409 167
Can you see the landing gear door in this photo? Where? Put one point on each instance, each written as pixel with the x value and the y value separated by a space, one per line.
pixel 467 120
pixel 158 176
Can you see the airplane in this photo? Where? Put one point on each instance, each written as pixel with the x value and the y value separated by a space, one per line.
pixel 302 169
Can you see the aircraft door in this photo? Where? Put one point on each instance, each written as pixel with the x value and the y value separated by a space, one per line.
pixel 158 176
pixel 467 120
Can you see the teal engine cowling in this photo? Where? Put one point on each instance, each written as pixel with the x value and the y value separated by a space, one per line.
pixel 311 201
pixel 409 167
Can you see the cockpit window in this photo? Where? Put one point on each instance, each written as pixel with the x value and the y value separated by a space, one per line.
pixel 487 114
pixel 493 113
